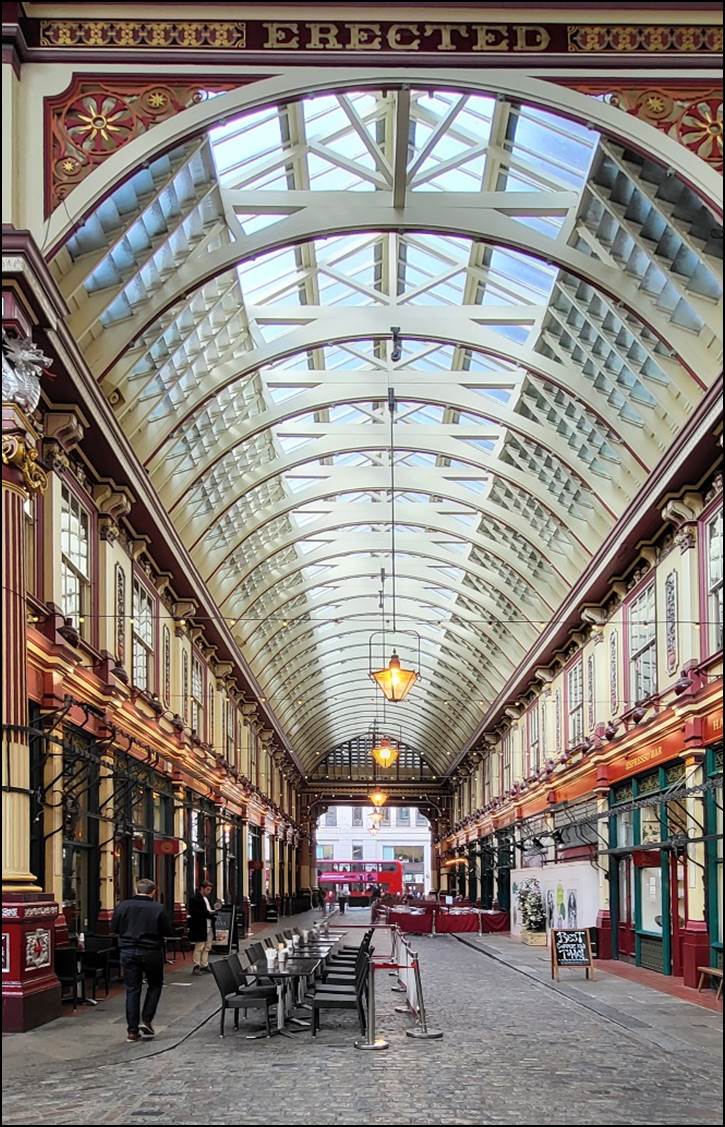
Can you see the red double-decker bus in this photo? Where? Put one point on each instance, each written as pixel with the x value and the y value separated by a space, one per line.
pixel 361 878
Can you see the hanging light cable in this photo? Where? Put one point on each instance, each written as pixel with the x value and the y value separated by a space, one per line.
pixel 394 681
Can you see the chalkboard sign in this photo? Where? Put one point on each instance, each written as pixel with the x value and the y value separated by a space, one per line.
pixel 571 947
pixel 226 928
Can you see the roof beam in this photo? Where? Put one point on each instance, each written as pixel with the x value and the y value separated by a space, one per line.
pixel 402 145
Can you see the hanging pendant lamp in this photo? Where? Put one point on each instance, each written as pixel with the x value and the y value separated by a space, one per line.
pixel 395 681
pixel 385 753
pixel 378 799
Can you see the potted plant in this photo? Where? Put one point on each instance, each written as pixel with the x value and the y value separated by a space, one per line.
pixel 533 915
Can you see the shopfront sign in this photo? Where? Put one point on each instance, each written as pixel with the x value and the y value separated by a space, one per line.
pixel 373 38
pixel 571 947
pixel 713 725
pixel 647 754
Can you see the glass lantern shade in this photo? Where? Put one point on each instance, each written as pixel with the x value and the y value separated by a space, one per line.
pixel 394 681
pixel 378 798
pixel 384 753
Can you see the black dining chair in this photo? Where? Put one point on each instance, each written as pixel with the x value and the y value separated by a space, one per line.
pixel 255 952
pixel 324 999
pixel 240 998
pixel 96 942
pixel 96 964
pixel 70 974
pixel 178 943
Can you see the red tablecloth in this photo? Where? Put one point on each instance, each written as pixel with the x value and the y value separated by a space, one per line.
pixel 495 921
pixel 449 922
pixel 414 923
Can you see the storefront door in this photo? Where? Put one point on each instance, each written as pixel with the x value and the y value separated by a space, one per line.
pixel 678 907
pixel 623 906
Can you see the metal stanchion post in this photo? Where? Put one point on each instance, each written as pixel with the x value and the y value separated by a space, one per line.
pixel 371 1042
pixel 421 1031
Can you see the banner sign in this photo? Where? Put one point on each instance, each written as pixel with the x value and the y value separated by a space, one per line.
pixel 371 38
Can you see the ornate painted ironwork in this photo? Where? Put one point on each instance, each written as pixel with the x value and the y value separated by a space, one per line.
pixel 120 587
pixel 557 719
pixel 590 691
pixel 185 684
pixel 671 621
pixel 690 113
pixel 166 657
pixel 613 674
pixel 94 117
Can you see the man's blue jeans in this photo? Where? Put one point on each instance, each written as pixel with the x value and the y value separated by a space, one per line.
pixel 135 963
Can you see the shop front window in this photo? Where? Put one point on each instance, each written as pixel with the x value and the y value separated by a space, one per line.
pixel 715 582
pixel 625 829
pixel 75 561
pixel 575 703
pixel 506 751
pixel 533 737
pixel 651 899
pixel 718 874
pixel 649 825
pixel 643 645
pixel 143 637
pixel 230 726
pixel 197 696
pixel 626 901
pixel 80 835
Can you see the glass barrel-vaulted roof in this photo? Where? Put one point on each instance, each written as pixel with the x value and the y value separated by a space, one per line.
pixel 558 301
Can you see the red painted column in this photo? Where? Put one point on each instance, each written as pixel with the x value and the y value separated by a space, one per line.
pixel 31 991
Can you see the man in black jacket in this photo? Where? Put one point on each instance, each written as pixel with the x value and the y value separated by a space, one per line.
pixel 141 925
pixel 201 927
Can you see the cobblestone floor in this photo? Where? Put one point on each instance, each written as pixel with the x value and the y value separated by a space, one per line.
pixel 514 1051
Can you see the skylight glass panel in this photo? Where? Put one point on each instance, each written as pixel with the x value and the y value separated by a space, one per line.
pixel 552 150
pixel 263 276
pixel 430 413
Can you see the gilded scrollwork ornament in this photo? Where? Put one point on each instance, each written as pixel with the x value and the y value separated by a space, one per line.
pixel 17 453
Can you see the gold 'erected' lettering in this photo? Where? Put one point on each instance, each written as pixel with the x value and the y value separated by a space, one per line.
pixel 372 36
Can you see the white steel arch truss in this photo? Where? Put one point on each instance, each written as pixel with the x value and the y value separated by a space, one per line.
pixel 558 295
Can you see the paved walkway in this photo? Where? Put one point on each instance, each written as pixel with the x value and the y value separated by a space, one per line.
pixel 515 1051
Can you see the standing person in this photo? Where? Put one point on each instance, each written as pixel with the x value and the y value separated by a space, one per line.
pixel 201 927
pixel 329 901
pixel 141 924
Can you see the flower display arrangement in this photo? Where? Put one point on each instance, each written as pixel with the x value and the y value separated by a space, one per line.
pixel 533 916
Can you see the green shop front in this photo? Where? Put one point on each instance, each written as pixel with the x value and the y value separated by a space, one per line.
pixel 665 867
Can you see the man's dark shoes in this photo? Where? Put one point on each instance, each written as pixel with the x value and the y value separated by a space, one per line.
pixel 146 1029
pixel 133 1037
